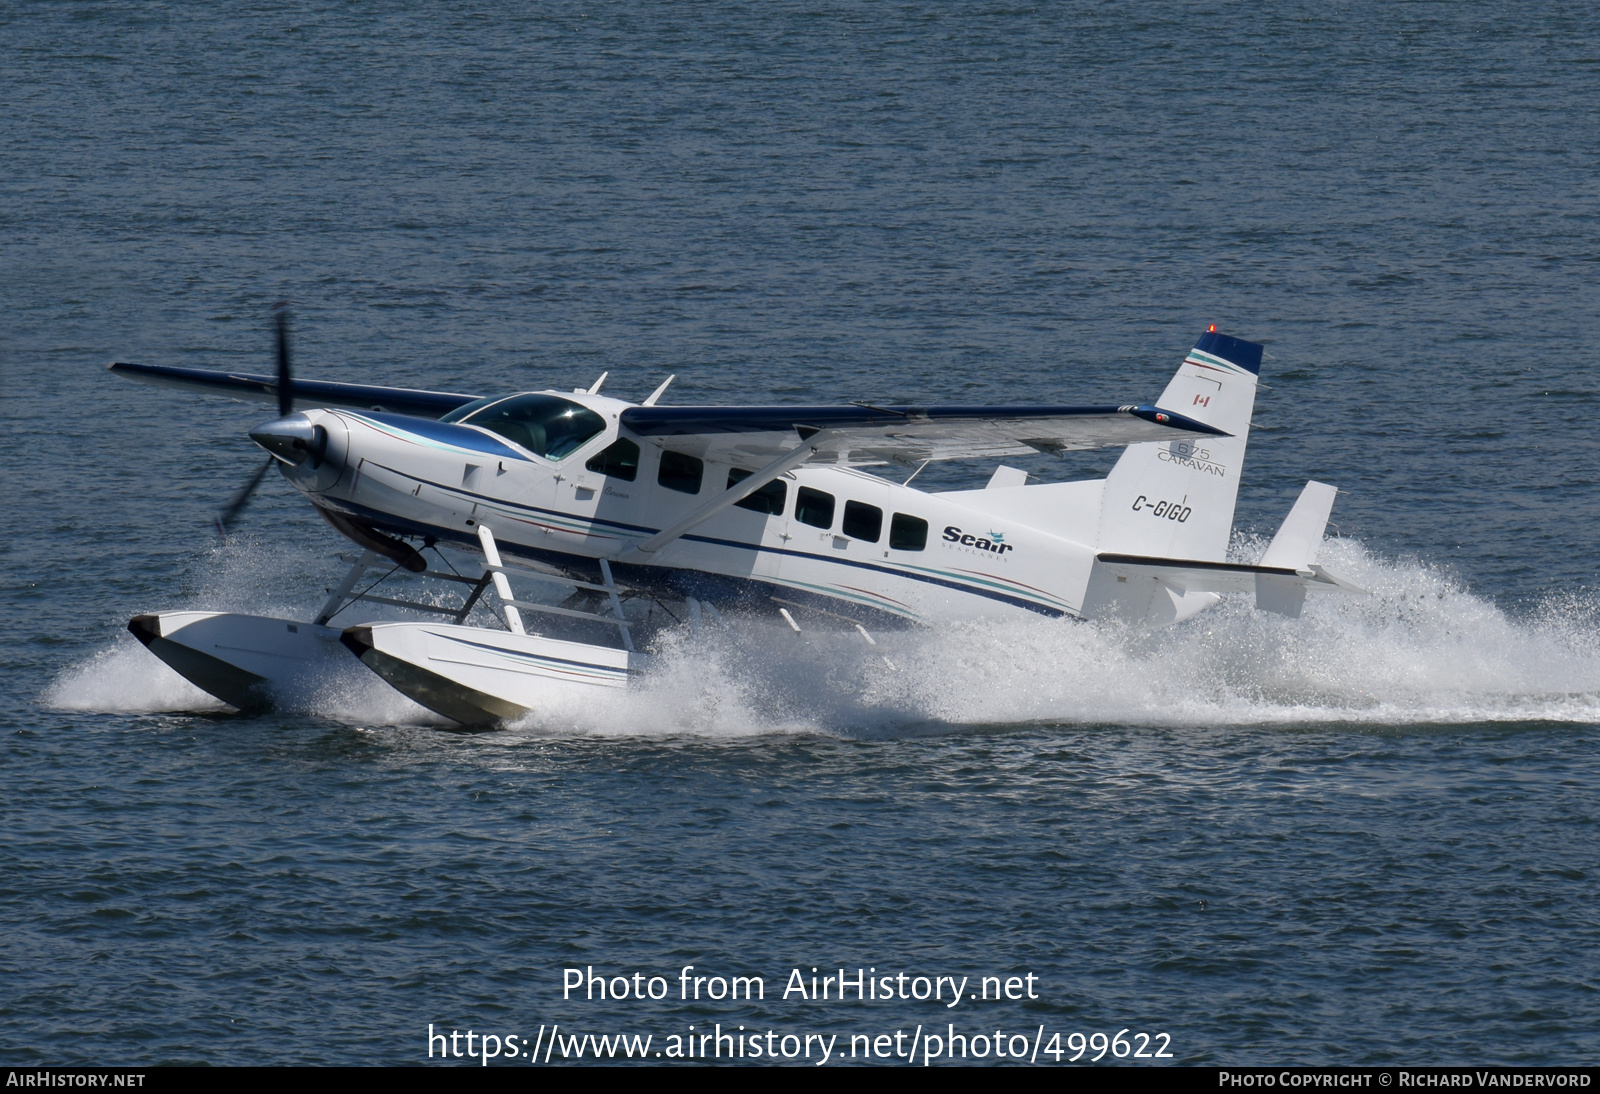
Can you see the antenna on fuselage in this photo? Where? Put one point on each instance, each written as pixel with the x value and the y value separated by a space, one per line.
pixel 650 400
pixel 594 388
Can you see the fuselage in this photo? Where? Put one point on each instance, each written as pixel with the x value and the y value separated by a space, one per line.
pixel 568 484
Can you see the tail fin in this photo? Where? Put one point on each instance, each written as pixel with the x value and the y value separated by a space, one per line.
pixel 1174 499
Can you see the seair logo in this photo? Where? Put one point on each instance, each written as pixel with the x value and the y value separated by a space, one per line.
pixel 995 541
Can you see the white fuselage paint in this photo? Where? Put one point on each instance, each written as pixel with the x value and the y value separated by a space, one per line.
pixel 989 564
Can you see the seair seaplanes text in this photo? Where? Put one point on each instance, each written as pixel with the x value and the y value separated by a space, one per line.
pixel 993 541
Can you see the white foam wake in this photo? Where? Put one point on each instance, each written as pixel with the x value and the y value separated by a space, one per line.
pixel 1420 649
pixel 125 677
pixel 253 577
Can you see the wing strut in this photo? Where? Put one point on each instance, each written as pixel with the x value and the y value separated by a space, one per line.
pixel 731 497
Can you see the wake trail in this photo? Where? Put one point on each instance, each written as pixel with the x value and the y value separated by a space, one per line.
pixel 1419 649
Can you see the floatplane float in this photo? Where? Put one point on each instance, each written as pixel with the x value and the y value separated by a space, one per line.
pixel 639 516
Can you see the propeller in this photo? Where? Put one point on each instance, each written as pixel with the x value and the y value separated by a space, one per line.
pixel 224 519
pixel 280 312
pixel 285 389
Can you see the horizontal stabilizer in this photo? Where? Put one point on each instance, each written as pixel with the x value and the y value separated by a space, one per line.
pixel 1196 576
pixel 319 393
pixel 1280 581
pixel 1285 586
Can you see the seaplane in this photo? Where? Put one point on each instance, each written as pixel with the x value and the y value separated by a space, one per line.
pixel 630 519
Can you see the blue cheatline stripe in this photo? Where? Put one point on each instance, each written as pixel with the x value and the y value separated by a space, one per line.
pixel 1016 601
pixel 409 527
pixel 490 499
pixel 414 527
pixel 611 669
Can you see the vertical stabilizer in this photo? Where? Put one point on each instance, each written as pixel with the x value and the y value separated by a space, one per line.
pixel 1174 499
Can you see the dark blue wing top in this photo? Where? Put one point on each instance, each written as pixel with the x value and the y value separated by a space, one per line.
pixel 395 400
pixel 667 421
pixel 900 434
pixel 855 434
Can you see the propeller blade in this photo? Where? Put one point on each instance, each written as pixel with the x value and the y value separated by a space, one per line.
pixel 285 381
pixel 225 519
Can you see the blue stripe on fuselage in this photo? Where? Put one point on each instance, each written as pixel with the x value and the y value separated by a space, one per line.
pixel 386 521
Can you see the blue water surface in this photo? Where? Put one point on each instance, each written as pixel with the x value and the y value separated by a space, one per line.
pixel 1366 836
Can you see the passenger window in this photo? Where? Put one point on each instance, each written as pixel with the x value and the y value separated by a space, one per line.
pixel 681 472
pixel 863 521
pixel 769 499
pixel 908 533
pixel 813 507
pixel 620 461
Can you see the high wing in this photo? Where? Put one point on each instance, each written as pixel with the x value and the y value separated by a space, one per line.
pixel 856 435
pixel 861 435
pixel 396 400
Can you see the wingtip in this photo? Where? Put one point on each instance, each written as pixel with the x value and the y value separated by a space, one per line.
pixel 1175 420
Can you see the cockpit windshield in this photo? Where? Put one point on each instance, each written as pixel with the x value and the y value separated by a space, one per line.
pixel 468 409
pixel 545 425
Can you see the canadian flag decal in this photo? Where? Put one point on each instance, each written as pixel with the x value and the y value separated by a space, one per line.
pixel 1202 400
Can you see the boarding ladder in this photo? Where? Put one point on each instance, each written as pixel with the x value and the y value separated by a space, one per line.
pixel 498 568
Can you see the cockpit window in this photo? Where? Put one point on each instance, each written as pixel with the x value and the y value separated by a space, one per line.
pixel 545 425
pixel 469 408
